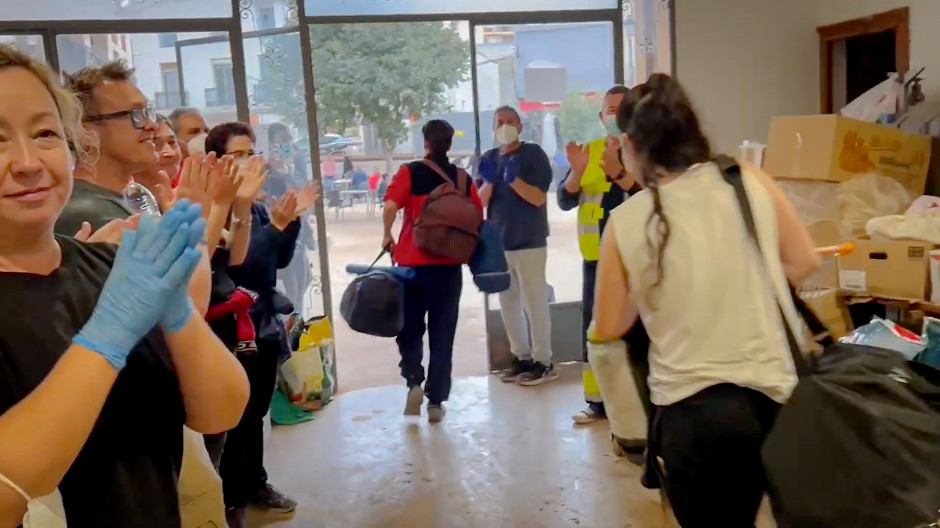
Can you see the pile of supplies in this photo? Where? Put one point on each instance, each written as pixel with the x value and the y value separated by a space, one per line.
pixel 861 182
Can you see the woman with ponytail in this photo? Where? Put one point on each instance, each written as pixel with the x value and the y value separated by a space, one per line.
pixel 679 257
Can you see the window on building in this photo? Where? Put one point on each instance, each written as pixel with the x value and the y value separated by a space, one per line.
pixel 266 16
pixel 223 94
pixel 167 40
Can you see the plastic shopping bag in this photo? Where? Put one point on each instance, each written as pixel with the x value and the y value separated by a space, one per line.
pixel 304 376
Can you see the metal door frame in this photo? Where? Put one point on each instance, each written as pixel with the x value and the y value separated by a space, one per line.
pixel 50 30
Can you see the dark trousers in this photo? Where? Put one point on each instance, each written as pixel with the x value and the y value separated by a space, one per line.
pixel 242 466
pixel 710 444
pixel 638 342
pixel 432 301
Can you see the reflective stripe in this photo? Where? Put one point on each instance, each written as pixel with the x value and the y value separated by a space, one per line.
pixel 594 185
pixel 592 393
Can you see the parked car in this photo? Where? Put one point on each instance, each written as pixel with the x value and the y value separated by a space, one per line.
pixel 335 143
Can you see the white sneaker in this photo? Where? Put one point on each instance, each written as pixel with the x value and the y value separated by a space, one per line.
pixel 414 401
pixel 588 415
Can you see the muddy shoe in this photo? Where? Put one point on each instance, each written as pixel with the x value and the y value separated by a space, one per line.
pixel 518 368
pixel 272 500
pixel 414 401
pixel 436 413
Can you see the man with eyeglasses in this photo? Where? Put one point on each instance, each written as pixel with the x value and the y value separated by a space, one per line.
pixel 119 115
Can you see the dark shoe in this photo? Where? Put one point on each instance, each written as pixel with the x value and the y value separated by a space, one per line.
pixel 414 401
pixel 628 446
pixel 540 373
pixel 518 368
pixel 271 499
pixel 235 517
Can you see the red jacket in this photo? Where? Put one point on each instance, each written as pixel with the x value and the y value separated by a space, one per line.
pixel 409 191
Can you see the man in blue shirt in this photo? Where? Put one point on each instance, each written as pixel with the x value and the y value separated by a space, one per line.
pixel 516 177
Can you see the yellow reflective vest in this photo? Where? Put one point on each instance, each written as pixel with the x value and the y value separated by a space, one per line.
pixel 594 185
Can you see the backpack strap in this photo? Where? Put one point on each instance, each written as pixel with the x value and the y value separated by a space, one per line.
pixel 463 179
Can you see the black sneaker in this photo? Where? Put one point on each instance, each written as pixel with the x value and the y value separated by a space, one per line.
pixel 518 368
pixel 628 446
pixel 540 373
pixel 271 499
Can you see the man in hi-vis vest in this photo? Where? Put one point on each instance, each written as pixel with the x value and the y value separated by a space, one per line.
pixel 596 184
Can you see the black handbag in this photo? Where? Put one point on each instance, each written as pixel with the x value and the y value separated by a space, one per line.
pixel 858 443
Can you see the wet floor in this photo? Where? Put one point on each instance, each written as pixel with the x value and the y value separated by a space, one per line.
pixel 505 456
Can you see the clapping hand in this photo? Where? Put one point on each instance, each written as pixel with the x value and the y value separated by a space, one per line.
pixel 152 266
pixel 307 197
pixel 253 174
pixel 109 233
pixel 610 162
pixel 578 157
pixel 487 169
pixel 200 178
pixel 284 210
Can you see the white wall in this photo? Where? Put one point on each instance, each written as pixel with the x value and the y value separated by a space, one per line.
pixel 743 61
pixel 925 30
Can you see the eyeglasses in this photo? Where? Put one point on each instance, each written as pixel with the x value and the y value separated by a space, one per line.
pixel 140 117
pixel 242 154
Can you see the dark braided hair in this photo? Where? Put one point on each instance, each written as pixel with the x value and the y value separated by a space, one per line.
pixel 666 135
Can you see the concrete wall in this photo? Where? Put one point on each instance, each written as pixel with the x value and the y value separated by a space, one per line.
pixel 743 61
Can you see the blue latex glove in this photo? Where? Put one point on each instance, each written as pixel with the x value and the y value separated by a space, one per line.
pixel 510 168
pixel 487 169
pixel 150 265
pixel 180 308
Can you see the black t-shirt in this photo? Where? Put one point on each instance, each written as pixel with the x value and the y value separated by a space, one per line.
pixel 126 475
pixel 93 204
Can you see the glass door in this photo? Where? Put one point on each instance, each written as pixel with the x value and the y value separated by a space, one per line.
pixel 32 45
pixel 376 85
pixel 556 76
pixel 205 77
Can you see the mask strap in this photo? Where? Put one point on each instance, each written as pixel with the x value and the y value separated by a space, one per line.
pixel 14 487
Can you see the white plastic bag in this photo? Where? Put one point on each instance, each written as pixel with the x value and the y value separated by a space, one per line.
pixel 618 390
pixel 870 196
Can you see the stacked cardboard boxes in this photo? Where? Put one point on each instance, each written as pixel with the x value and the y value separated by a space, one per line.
pixel 840 173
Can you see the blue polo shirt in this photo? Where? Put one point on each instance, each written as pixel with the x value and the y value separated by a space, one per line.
pixel 524 226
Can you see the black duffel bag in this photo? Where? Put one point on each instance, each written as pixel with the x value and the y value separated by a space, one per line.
pixel 858 443
pixel 374 303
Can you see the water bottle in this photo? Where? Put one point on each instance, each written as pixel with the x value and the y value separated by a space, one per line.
pixel 139 199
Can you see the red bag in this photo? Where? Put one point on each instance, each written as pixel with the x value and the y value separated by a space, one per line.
pixel 449 224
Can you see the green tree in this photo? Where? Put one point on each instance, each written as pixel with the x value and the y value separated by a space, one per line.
pixel 579 121
pixel 385 73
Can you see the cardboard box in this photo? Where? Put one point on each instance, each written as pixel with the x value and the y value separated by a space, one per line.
pixel 830 307
pixel 887 268
pixel 836 149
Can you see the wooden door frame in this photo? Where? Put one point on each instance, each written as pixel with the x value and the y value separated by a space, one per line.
pixel 897 20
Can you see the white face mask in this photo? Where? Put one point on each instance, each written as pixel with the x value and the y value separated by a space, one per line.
pixel 610 124
pixel 197 145
pixel 506 135
pixel 42 512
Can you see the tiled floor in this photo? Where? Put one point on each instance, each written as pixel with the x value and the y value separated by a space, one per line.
pixel 505 456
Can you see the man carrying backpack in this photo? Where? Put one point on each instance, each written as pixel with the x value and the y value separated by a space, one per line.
pixel 440 229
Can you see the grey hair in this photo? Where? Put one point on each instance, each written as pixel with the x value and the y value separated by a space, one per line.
pixel 178 113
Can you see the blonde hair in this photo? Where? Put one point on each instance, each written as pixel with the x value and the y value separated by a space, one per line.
pixel 82 143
